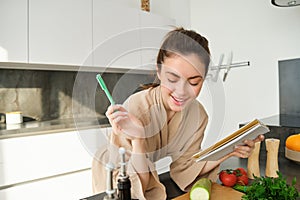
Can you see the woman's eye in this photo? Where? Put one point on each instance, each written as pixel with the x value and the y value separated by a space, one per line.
pixel 172 80
pixel 194 84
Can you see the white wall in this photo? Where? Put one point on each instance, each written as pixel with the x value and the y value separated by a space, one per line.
pixel 257 32
pixel 175 9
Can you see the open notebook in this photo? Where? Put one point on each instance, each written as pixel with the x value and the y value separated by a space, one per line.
pixel 226 145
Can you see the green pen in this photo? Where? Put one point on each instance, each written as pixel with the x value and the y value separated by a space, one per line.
pixel 103 86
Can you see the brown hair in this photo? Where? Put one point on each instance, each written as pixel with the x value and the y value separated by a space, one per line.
pixel 184 42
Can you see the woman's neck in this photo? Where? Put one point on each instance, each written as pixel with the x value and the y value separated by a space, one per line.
pixel 170 115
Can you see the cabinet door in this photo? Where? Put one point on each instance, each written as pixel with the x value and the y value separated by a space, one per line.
pixel 13 33
pixel 116 37
pixel 60 32
pixel 153 29
pixel 33 157
pixel 93 139
pixel 67 187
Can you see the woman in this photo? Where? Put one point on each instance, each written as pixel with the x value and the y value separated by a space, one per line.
pixel 165 120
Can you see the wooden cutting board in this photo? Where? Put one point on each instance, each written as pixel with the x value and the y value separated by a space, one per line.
pixel 218 192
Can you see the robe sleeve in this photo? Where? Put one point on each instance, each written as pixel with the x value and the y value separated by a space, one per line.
pixel 136 163
pixel 155 189
pixel 184 170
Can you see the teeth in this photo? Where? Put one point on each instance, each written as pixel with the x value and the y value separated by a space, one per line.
pixel 179 100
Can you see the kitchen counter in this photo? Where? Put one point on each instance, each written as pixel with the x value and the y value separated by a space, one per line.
pixel 281 126
pixel 288 168
pixel 282 120
pixel 52 126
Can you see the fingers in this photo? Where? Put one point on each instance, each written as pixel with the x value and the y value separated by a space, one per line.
pixel 113 111
pixel 249 143
pixel 244 151
pixel 123 123
pixel 242 154
pixel 117 116
pixel 113 108
pixel 259 138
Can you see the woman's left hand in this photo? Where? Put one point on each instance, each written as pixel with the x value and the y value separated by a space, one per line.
pixel 244 151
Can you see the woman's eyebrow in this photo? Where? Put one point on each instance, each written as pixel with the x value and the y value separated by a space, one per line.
pixel 193 77
pixel 177 76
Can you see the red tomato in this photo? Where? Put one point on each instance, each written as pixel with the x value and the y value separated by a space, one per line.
pixel 222 173
pixel 241 170
pixel 228 178
pixel 242 180
pixel 242 177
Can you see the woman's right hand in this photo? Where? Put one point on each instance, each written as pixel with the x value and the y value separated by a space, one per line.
pixel 124 123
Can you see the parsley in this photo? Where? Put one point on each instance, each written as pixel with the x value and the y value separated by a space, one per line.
pixel 266 188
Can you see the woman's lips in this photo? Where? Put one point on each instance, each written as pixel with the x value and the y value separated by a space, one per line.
pixel 178 101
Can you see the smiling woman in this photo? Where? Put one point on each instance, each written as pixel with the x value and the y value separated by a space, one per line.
pixel 164 120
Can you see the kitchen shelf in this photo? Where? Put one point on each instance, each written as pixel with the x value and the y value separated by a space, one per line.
pixel 50 67
pixel 52 126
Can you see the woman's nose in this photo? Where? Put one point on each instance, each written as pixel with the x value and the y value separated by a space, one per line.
pixel 181 88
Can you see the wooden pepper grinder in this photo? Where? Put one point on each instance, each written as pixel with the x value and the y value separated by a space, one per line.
pixel 253 162
pixel 272 146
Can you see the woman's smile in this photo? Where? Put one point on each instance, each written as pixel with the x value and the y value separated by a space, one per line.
pixel 178 101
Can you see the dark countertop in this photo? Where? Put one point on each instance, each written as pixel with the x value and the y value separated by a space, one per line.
pixel 52 126
pixel 288 168
pixel 282 120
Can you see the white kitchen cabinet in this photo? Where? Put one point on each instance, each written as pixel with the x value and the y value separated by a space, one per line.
pixel 60 32
pixel 153 28
pixel 34 157
pixel 93 139
pixel 67 187
pixel 116 37
pixel 97 33
pixel 13 31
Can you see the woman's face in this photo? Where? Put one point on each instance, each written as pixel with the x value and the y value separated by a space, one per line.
pixel 181 80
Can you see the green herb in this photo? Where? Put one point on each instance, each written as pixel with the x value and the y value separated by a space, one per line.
pixel 241 188
pixel 266 188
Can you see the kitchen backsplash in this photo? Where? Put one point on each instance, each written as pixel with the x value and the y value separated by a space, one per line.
pixel 46 95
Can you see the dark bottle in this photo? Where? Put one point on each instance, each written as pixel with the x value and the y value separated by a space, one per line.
pixel 124 184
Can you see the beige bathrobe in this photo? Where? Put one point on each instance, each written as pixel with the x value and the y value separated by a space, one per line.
pixel 179 138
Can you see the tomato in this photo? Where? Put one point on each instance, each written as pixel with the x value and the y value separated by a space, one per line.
pixel 242 180
pixel 241 170
pixel 228 178
pixel 222 173
pixel 242 177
